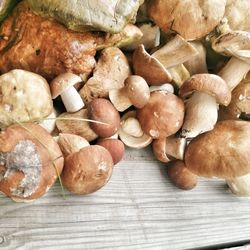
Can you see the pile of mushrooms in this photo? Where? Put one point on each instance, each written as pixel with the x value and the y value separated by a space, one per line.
pixel 157 91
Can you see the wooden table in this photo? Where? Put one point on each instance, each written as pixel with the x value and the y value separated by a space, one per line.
pixel 138 209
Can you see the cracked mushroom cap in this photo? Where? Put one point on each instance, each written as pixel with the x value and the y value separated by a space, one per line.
pixel 207 83
pixel 87 170
pixel 27 154
pixel 222 152
pixel 19 101
pixel 192 19
pixel 162 116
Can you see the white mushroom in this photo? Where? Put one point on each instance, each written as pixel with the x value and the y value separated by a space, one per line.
pixel 240 186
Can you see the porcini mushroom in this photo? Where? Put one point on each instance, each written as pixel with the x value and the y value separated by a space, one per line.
pixel 162 116
pixel 204 93
pixel 135 92
pixel 130 132
pixel 30 161
pixel 223 152
pixel 240 186
pixel 63 85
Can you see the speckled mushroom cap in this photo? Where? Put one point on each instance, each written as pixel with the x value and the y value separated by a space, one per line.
pixel 62 82
pixel 25 96
pixel 222 152
pixel 27 154
pixel 162 116
pixel 87 170
pixel 192 19
pixel 207 83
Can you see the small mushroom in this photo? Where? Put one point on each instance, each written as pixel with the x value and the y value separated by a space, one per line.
pixel 204 93
pixel 103 111
pixel 240 186
pixel 223 152
pixel 87 170
pixel 30 161
pixel 180 176
pixel 25 97
pixel 130 132
pixel 63 85
pixel 168 149
pixel 237 45
pixel 110 73
pixel 135 92
pixel 162 116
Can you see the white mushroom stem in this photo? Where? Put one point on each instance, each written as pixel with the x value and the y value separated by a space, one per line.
pixel 164 87
pixel 240 186
pixel 234 71
pixel 131 126
pixel 119 98
pixel 201 113
pixel 175 147
pixel 49 123
pixel 72 100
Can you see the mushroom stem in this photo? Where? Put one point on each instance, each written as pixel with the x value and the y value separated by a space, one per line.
pixel 234 71
pixel 201 115
pixel 164 87
pixel 240 186
pixel 132 127
pixel 72 100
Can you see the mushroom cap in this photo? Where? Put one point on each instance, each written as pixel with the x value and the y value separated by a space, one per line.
pixel 29 170
pixel 137 91
pixel 102 110
pixel 162 116
pixel 19 101
pixel 62 82
pixel 87 170
pixel 222 152
pixel 149 67
pixel 192 19
pixel 208 83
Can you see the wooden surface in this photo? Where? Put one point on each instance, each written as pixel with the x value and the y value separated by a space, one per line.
pixel 138 209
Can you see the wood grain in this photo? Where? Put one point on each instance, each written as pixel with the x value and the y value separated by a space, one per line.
pixel 138 209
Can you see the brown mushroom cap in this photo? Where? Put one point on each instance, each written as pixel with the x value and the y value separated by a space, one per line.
pixel 87 170
pixel 62 82
pixel 162 116
pixel 207 83
pixel 149 67
pixel 102 110
pixel 223 152
pixel 27 156
pixel 192 19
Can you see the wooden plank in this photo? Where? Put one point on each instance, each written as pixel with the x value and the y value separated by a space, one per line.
pixel 138 209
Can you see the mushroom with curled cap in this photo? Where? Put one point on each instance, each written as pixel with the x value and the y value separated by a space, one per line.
pixel 192 19
pixel 223 152
pixel 63 85
pixel 237 45
pixel 30 161
pixel 19 103
pixel 203 92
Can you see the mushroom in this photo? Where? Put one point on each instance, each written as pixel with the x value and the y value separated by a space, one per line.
pixel 19 103
pixel 130 132
pixel 167 87
pixel 240 186
pixel 180 176
pixel 103 111
pixel 162 116
pixel 191 19
pixel 204 93
pixel 63 85
pixel 168 149
pixel 135 92
pixel 49 122
pixel 87 170
pixel 223 152
pixel 74 123
pixel 110 72
pixel 237 45
pixel 30 161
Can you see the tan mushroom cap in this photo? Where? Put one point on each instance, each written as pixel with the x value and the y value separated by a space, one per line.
pixel 192 19
pixel 87 170
pixel 162 116
pixel 207 83
pixel 62 82
pixel 223 152
pixel 149 67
